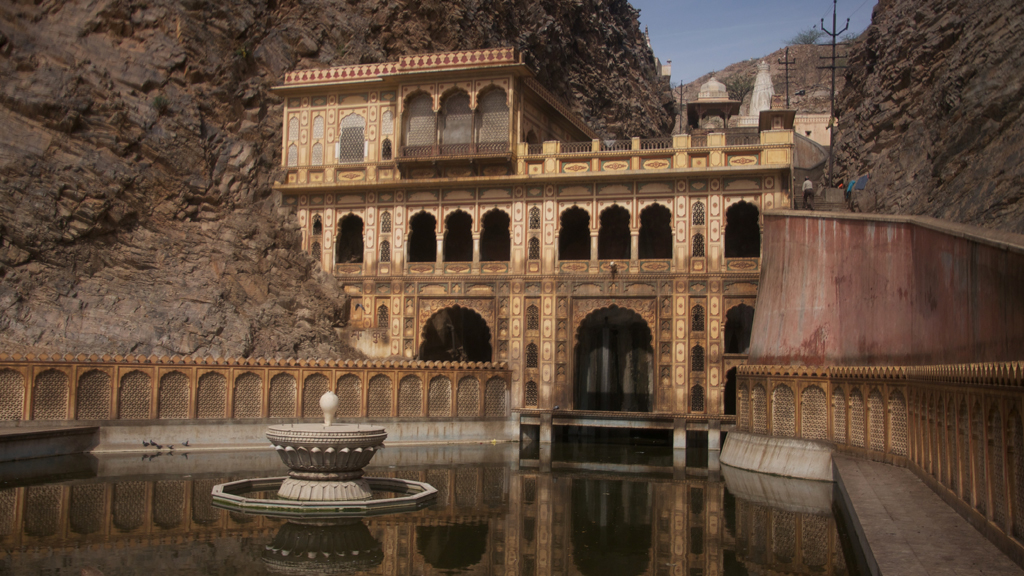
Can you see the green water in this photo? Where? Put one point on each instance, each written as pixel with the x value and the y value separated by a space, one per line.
pixel 574 509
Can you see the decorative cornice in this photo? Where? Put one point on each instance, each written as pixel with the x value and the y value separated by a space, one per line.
pixel 982 374
pixel 177 360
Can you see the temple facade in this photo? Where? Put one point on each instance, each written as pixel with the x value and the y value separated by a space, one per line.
pixel 472 217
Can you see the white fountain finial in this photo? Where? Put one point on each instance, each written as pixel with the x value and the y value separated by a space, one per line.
pixel 329 404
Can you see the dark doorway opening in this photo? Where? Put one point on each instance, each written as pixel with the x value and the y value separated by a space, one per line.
pixel 574 235
pixel 614 357
pixel 742 231
pixel 613 238
pixel 350 240
pixel 495 241
pixel 423 238
pixel 458 237
pixel 739 321
pixel 655 240
pixel 730 392
pixel 456 334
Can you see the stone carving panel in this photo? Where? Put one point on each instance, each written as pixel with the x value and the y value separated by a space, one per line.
pixel 50 397
pixel 211 394
pixel 378 397
pixel 350 396
pixel 467 402
pixel 12 395
pixel 813 414
pixel 783 412
pixel 248 397
pixel 410 396
pixel 282 396
pixel 172 400
pixel 439 397
pixel 876 416
pixel 495 405
pixel 838 415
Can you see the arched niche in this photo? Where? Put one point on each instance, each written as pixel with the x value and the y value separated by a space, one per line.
pixel 350 240
pixel 739 320
pixel 456 334
pixel 614 362
pixel 655 241
pixel 458 237
pixel 422 237
pixel 742 231
pixel 574 235
pixel 495 240
pixel 613 237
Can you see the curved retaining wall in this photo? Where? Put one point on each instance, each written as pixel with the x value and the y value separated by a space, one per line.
pixel 790 457
pixel 872 290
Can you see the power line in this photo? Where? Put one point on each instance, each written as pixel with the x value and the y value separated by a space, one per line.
pixel 832 109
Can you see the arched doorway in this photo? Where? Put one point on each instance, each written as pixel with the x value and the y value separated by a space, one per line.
pixel 613 237
pixel 350 240
pixel 456 334
pixel 742 231
pixel 655 240
pixel 423 238
pixel 458 237
pixel 739 321
pixel 614 362
pixel 495 242
pixel 574 235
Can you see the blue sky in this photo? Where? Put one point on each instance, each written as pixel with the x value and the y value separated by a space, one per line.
pixel 700 36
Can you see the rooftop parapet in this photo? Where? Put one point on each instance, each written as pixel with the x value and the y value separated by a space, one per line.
pixel 405 64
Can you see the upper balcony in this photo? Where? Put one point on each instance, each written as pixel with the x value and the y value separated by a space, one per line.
pixel 727 150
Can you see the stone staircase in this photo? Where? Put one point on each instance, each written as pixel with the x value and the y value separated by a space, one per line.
pixel 830 201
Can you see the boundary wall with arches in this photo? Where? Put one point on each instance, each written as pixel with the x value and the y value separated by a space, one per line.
pixel 958 427
pixel 226 401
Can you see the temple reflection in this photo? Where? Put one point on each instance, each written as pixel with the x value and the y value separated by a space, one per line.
pixel 489 519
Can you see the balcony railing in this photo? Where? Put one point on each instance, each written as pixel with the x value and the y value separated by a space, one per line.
pixel 742 139
pixel 699 141
pixel 616 145
pixel 576 147
pixel 656 144
pixel 534 149
pixel 468 149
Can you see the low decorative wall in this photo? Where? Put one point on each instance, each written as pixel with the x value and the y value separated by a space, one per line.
pixel 106 390
pixel 959 427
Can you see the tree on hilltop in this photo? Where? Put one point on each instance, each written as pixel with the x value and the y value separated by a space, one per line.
pixel 807 36
pixel 739 86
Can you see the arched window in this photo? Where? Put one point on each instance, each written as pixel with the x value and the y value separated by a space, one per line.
pixel 532 318
pixel 318 154
pixel 318 127
pixel 293 129
pixel 531 355
pixel 574 235
pixel 318 226
pixel 492 122
pixel 697 318
pixel 385 251
pixel 742 231
pixel 698 245
pixel 387 122
pixel 534 249
pixel 385 149
pixel 613 238
pixel 350 240
pixel 385 222
pixel 293 155
pixel 458 237
pixel 421 122
pixel 383 317
pixel 697 359
pixel 698 214
pixel 495 242
pixel 655 240
pixel 457 121
pixel 351 142
pixel 531 138
pixel 423 238
pixel 697 398
pixel 535 218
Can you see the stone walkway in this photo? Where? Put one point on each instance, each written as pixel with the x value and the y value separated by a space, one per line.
pixel 911 531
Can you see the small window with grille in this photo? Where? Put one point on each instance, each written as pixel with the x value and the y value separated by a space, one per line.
pixel 293 155
pixel 532 318
pixel 318 226
pixel 385 149
pixel 318 154
pixel 421 122
pixel 698 245
pixel 293 129
pixel 535 218
pixel 697 318
pixel 315 251
pixel 458 120
pixel 385 251
pixel 318 127
pixel 383 317
pixel 531 393
pixel 697 359
pixel 492 127
pixel 387 122
pixel 697 398
pixel 531 355
pixel 698 214
pixel 385 223
pixel 534 249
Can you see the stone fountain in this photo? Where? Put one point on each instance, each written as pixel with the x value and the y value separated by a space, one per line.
pixel 325 479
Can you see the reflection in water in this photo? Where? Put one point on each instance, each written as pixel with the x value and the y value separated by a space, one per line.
pixel 611 526
pixel 492 518
pixel 454 547
pixel 343 548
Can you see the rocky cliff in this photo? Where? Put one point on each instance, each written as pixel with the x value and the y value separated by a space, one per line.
pixel 138 141
pixel 932 109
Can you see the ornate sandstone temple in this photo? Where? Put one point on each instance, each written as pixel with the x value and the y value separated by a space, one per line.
pixel 472 217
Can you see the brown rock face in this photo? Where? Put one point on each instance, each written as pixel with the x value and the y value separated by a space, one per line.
pixel 933 110
pixel 139 142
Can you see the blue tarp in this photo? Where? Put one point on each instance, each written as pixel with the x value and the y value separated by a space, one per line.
pixel 862 182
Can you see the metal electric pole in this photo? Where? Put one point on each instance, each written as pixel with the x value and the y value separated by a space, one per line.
pixel 832 108
pixel 787 62
pixel 682 109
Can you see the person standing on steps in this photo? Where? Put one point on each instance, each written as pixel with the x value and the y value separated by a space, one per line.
pixel 808 189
